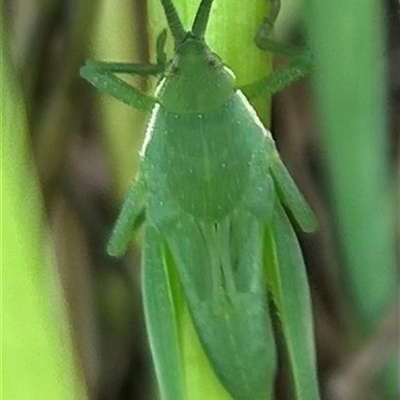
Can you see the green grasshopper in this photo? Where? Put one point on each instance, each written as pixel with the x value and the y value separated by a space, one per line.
pixel 210 187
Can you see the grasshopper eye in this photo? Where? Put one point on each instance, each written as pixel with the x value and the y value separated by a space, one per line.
pixel 172 69
pixel 214 60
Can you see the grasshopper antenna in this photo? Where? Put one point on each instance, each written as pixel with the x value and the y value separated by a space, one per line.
pixel 174 23
pixel 201 19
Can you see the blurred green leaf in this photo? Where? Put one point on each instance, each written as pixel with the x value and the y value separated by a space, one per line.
pixel 351 103
pixel 347 40
pixel 37 354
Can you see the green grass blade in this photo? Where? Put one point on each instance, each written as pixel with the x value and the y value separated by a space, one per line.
pixel 37 354
pixel 351 104
pixel 287 280
pixel 350 89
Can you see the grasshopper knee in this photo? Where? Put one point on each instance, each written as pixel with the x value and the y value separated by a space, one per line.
pixel 264 32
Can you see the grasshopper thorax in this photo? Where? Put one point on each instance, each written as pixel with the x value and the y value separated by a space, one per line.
pixel 195 80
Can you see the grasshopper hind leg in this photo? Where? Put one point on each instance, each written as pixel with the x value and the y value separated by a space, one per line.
pixel 159 300
pixel 226 296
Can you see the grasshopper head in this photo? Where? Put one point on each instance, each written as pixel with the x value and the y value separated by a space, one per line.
pixel 195 80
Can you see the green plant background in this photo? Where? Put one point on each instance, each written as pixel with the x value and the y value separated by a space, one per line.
pixel 72 325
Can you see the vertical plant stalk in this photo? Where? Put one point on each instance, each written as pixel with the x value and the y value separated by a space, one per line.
pixel 116 37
